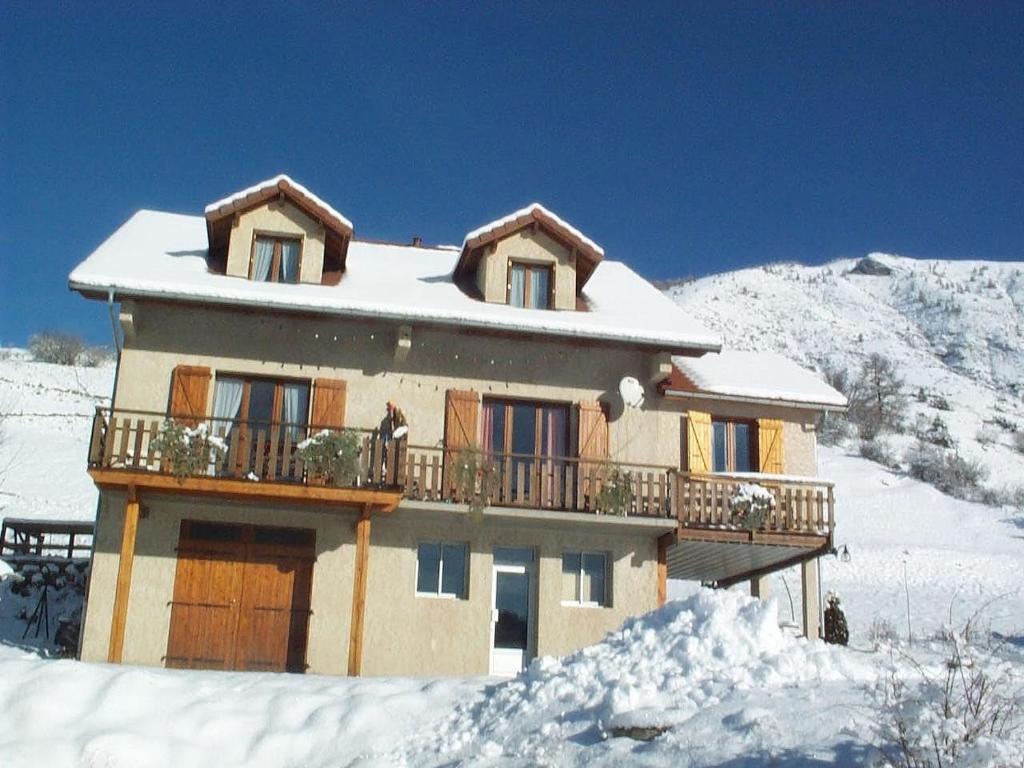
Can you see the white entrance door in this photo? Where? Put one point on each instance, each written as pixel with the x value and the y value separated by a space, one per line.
pixel 511 619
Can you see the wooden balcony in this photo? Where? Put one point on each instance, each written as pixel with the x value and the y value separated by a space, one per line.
pixel 254 460
pixel 262 459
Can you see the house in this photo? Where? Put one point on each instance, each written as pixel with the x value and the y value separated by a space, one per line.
pixel 573 439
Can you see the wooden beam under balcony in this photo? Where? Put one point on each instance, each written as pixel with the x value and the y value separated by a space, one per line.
pixel 384 500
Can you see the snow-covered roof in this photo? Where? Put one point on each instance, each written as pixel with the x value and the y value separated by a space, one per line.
pixel 753 376
pixel 529 210
pixel 281 181
pixel 163 255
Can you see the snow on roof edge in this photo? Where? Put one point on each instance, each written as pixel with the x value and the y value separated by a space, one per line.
pixel 260 186
pixel 726 374
pixel 104 284
pixel 528 210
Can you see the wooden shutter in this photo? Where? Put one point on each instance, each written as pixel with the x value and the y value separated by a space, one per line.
pixel 698 441
pixel 593 432
pixel 329 396
pixel 769 446
pixel 462 410
pixel 190 385
pixel 460 419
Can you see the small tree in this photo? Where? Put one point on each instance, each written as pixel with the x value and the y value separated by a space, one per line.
pixel 877 400
pixel 55 347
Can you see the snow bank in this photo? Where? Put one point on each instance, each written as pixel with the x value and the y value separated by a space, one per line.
pixel 66 713
pixel 658 670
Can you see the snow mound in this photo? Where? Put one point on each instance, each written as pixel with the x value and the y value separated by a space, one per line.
pixel 658 670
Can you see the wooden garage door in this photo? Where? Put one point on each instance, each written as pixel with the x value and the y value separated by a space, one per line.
pixel 241 598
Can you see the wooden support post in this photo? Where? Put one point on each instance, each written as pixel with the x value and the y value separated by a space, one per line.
pixel 809 588
pixel 355 641
pixel 124 577
pixel 664 542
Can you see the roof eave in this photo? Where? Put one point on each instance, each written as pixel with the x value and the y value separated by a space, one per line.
pixel 92 290
pixel 813 405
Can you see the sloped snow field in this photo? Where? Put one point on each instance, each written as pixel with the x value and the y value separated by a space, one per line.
pixel 715 667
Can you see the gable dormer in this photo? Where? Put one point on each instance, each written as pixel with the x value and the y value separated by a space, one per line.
pixel 277 231
pixel 530 258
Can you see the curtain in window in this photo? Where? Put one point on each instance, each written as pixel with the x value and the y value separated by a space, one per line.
pixel 517 286
pixel 487 416
pixel 292 409
pixel 263 258
pixel 227 399
pixel 539 288
pixel 289 261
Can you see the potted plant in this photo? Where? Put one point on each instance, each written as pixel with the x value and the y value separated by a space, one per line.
pixel 331 457
pixel 186 450
pixel 475 478
pixel 750 505
pixel 616 494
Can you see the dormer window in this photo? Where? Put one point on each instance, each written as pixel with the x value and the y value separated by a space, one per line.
pixel 275 259
pixel 530 259
pixel 529 285
pixel 277 232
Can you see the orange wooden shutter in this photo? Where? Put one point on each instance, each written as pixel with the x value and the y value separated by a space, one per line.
pixel 769 446
pixel 593 431
pixel 460 427
pixel 698 441
pixel 190 385
pixel 460 421
pixel 329 396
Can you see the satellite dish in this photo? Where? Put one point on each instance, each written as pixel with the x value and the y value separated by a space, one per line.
pixel 632 392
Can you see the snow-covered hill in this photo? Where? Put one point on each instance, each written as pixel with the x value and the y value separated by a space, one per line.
pixel 45 415
pixel 955 329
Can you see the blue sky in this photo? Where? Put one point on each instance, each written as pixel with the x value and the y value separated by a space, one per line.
pixel 685 138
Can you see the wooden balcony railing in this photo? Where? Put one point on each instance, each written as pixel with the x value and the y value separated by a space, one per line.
pixel 540 482
pixel 267 452
pixel 801 506
pixel 257 451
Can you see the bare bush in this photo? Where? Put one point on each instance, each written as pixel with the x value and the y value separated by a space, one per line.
pixel 55 347
pixel 879 451
pixel 91 357
pixel 877 400
pixel 946 470
pixel 66 349
pixel 882 633
pixel 965 711
pixel 933 431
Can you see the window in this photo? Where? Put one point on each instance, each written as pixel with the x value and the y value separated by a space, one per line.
pixel 255 408
pixel 733 446
pixel 529 285
pixel 585 578
pixel 275 259
pixel 441 570
pixel 530 435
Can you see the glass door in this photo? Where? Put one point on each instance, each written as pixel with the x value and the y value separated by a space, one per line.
pixel 511 615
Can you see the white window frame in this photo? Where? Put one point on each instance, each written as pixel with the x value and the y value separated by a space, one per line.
pixel 578 603
pixel 440 571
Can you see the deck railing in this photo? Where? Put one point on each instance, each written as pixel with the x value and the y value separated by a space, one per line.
pixel 31 539
pixel 539 482
pixel 268 452
pixel 800 506
pixel 257 451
